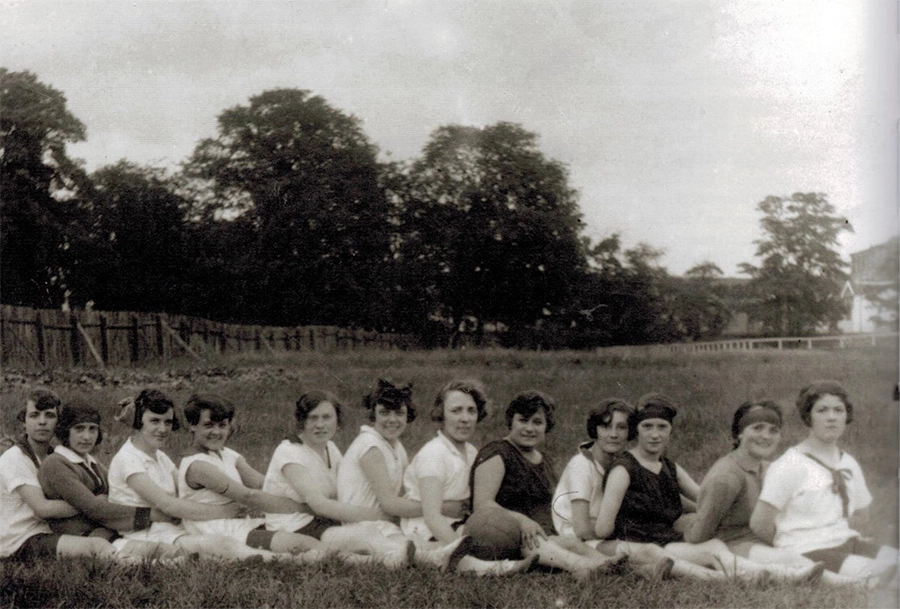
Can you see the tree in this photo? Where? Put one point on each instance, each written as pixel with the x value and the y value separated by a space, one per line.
pixel 698 307
pixel 490 227
pixel 797 286
pixel 305 178
pixel 40 220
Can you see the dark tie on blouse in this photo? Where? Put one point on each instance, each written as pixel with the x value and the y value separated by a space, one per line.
pixel 839 478
pixel 94 473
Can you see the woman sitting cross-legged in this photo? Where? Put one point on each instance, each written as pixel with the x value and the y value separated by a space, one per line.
pixel 642 500
pixel 213 474
pixel 512 484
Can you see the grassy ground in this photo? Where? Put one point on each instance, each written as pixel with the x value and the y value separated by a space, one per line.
pixel 264 387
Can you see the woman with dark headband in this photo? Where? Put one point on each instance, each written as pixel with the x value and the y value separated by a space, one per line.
pixel 813 491
pixel 642 500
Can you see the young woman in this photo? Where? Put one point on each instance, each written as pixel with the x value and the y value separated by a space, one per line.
pixel 731 487
pixel 213 474
pixel 371 472
pixel 814 490
pixel 25 533
pixel 71 474
pixel 304 469
pixel 142 475
pixel 440 471
pixel 642 500
pixel 512 480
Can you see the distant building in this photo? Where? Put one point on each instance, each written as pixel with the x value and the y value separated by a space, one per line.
pixel 872 290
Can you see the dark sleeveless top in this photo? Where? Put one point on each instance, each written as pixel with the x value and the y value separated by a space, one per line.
pixel 526 488
pixel 651 504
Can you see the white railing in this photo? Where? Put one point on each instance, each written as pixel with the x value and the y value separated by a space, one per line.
pixel 842 341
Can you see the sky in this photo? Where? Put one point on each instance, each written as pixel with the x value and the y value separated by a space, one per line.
pixel 674 118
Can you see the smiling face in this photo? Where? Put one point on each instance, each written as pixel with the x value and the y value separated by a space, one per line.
pixel 210 435
pixel 759 440
pixel 83 437
pixel 155 428
pixel 460 416
pixel 40 424
pixel 828 419
pixel 320 425
pixel 528 432
pixel 389 423
pixel 653 435
pixel 611 438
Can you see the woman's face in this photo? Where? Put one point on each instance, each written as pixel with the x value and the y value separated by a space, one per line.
pixel 460 416
pixel 653 435
pixel 155 428
pixel 210 435
pixel 83 437
pixel 320 425
pixel 40 424
pixel 611 438
pixel 828 418
pixel 528 432
pixel 389 423
pixel 760 439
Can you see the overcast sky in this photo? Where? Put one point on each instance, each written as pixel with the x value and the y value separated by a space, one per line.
pixel 674 118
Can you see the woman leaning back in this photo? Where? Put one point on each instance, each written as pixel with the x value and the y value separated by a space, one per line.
pixel 814 497
pixel 642 500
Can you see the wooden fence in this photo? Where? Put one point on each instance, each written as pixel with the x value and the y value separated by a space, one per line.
pixel 57 339
pixel 842 341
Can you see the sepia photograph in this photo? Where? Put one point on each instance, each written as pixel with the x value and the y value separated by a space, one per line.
pixel 444 304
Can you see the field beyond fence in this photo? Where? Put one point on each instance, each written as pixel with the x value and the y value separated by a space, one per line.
pixel 59 339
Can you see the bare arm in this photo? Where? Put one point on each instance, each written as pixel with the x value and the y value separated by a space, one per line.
pixel 207 475
pixel 59 480
pixel 250 476
pixel 487 480
pixel 322 505
pixel 431 489
pixel 762 521
pixel 157 497
pixel 43 507
pixel 376 472
pixel 581 520
pixel 617 482
pixel 716 499
pixel 689 489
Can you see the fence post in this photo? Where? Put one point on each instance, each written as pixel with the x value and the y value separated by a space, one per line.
pixel 160 345
pixel 39 335
pixel 134 339
pixel 75 340
pixel 104 340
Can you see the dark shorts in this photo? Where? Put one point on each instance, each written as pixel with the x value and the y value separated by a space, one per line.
pixel 38 547
pixel 834 557
pixel 260 538
pixel 317 526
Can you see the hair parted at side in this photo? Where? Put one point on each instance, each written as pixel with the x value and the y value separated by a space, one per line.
pixel 156 402
pixel 814 391
pixel 602 414
pixel 76 410
pixel 220 409
pixel 43 399
pixel 527 403
pixel 392 397
pixel 310 401
pixel 471 387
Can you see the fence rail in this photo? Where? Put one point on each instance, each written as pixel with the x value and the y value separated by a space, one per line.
pixel 56 339
pixel 842 341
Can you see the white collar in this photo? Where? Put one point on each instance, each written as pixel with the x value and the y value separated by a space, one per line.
pixel 449 443
pixel 73 456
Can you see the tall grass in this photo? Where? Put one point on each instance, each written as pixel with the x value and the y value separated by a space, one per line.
pixel 264 387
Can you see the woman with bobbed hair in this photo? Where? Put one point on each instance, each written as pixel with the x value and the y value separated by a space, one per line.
pixel 512 484
pixel 814 496
pixel 643 494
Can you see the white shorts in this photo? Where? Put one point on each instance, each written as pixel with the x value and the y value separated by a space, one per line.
pixel 236 528
pixel 373 527
pixel 165 532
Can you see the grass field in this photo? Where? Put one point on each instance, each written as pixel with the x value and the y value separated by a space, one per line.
pixel 709 387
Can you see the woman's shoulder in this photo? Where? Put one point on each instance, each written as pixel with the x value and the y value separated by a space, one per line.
pixel 492 449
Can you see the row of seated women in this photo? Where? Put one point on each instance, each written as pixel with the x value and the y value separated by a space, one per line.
pixel 498 510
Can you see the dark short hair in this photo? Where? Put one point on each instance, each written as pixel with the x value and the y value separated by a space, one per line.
pixel 44 399
pixel 527 403
pixel 470 387
pixel 310 401
pixel 219 408
pixel 602 414
pixel 392 397
pixel 73 412
pixel 743 409
pixel 156 402
pixel 651 403
pixel 811 394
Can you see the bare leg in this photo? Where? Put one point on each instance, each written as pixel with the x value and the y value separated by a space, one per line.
pixel 294 543
pixel 71 545
pixel 551 554
pixel 222 547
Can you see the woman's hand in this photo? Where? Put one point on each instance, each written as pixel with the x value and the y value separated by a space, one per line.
pixel 452 508
pixel 532 534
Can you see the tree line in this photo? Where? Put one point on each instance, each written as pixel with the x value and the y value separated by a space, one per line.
pixel 287 217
